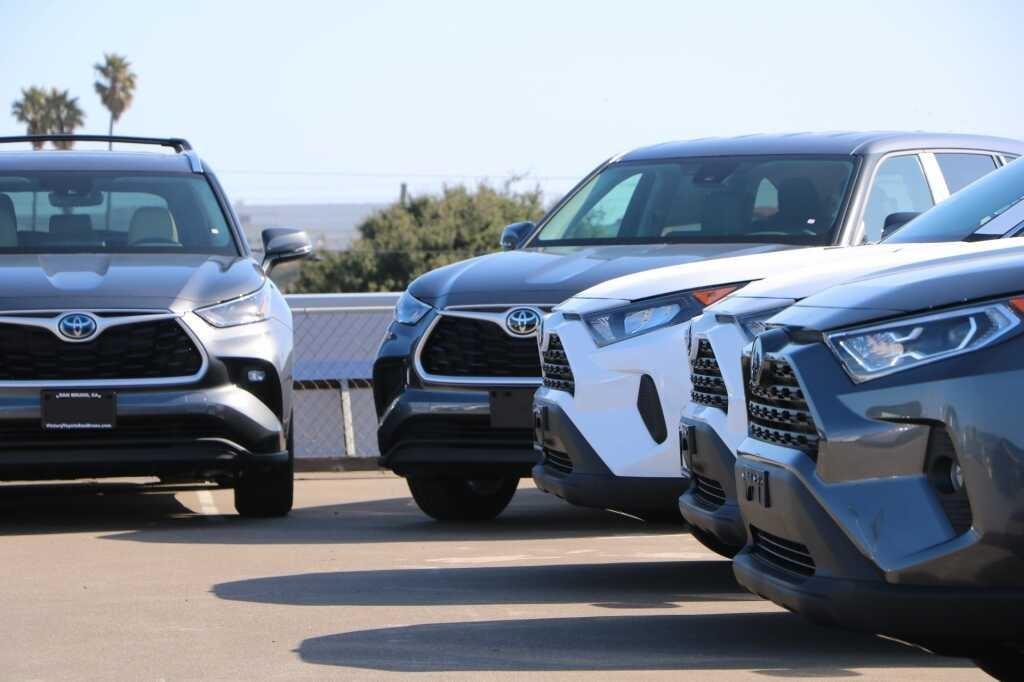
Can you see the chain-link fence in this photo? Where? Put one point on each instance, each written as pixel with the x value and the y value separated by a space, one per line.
pixel 336 339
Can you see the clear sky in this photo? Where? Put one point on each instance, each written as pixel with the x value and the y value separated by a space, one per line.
pixel 303 101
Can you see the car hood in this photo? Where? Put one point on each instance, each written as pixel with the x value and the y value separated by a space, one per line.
pixel 549 275
pixel 854 263
pixel 973 275
pixel 139 281
pixel 708 273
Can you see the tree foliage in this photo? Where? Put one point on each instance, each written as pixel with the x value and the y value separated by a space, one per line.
pixel 48 111
pixel 401 242
pixel 115 86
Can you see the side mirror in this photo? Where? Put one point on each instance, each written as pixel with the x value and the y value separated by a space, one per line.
pixel 284 244
pixel 513 236
pixel 895 221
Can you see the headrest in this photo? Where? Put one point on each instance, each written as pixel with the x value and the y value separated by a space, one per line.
pixel 798 200
pixel 77 227
pixel 8 223
pixel 152 222
pixel 720 214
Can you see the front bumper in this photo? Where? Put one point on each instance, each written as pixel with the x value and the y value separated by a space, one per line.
pixel 627 397
pixel 196 431
pixel 212 425
pixel 710 502
pixel 436 430
pixel 863 515
pixel 573 471
pixel 848 590
pixel 433 429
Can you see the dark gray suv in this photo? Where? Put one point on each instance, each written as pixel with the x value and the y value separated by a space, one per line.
pixel 881 481
pixel 138 334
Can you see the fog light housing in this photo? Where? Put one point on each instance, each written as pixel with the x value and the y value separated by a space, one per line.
pixel 256 376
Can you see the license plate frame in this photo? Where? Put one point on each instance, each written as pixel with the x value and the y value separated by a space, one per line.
pixel 78 410
pixel 512 408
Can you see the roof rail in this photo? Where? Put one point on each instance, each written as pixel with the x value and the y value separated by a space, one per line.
pixel 178 144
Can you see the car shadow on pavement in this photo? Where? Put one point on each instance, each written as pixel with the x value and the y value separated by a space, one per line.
pixel 611 585
pixel 30 509
pixel 532 515
pixel 773 643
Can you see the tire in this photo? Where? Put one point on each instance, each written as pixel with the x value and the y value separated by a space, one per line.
pixel 1002 662
pixel 462 499
pixel 714 544
pixel 267 490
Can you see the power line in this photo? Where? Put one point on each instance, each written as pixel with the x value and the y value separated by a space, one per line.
pixel 399 176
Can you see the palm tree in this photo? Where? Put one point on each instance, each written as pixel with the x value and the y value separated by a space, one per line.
pixel 32 110
pixel 64 114
pixel 116 86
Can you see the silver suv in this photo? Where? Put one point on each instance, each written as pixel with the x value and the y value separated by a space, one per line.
pixel 139 336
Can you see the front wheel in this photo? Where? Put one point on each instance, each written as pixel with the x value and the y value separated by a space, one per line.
pixel 267 490
pixel 462 499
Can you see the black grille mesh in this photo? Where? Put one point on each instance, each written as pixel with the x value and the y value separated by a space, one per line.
pixel 777 410
pixel 557 372
pixel 158 349
pixel 781 553
pixel 708 493
pixel 706 377
pixel 466 347
pixel 559 461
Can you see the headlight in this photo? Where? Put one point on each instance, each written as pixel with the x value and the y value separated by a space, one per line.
pixel 409 309
pixel 254 307
pixel 754 324
pixel 903 344
pixel 626 322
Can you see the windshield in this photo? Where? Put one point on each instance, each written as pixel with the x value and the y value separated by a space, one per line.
pixel 104 212
pixel 982 210
pixel 774 199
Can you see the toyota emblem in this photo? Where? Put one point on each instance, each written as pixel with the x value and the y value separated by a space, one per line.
pixel 77 326
pixel 522 321
pixel 756 362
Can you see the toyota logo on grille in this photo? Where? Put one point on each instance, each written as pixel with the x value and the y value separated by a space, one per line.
pixel 77 326
pixel 522 321
pixel 756 363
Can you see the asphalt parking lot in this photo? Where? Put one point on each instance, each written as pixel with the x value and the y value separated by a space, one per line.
pixel 104 582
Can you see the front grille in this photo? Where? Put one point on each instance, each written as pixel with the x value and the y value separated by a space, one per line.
pixel 708 493
pixel 559 461
pixel 706 377
pixel 777 410
pixel 466 347
pixel 159 349
pixel 781 553
pixel 556 370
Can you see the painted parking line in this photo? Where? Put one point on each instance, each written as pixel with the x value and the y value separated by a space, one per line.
pixel 207 505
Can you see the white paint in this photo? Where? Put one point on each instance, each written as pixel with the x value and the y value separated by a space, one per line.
pixel 207 505
pixel 346 415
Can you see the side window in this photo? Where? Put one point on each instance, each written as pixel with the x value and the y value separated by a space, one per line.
pixel 899 187
pixel 605 217
pixel 961 170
